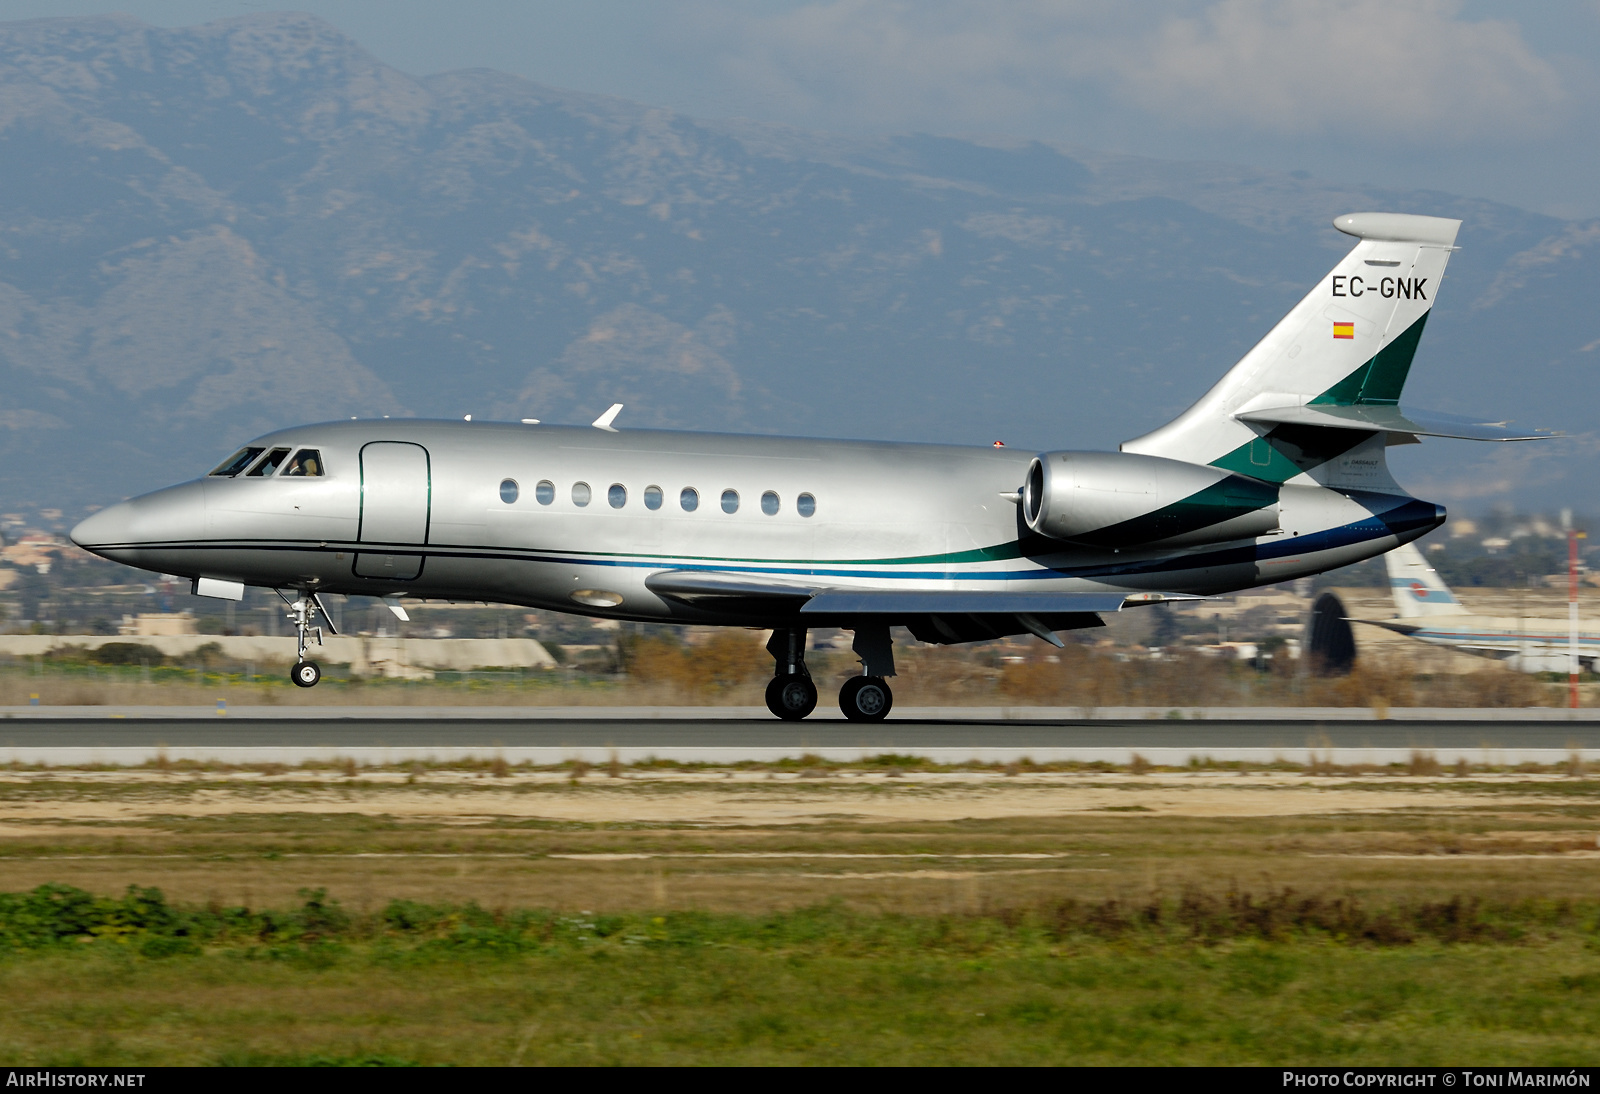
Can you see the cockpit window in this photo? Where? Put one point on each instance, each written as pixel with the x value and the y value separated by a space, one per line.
pixel 268 465
pixel 237 462
pixel 306 462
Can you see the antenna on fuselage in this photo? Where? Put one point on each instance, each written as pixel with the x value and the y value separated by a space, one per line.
pixel 605 420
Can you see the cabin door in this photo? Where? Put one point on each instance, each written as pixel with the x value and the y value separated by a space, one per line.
pixel 396 491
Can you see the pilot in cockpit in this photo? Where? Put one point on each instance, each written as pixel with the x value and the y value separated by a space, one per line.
pixel 306 463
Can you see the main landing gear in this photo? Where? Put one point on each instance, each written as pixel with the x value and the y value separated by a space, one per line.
pixel 303 613
pixel 791 695
pixel 866 698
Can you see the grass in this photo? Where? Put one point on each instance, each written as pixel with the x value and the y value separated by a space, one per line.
pixel 1211 980
pixel 667 916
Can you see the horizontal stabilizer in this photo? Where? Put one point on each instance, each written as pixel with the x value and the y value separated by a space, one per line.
pixel 1394 419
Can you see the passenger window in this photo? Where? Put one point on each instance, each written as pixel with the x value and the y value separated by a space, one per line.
pixel 237 462
pixel 730 501
pixel 307 463
pixel 508 490
pixel 769 503
pixel 689 499
pixel 805 505
pixel 652 498
pixel 545 492
pixel 269 465
pixel 580 494
pixel 617 495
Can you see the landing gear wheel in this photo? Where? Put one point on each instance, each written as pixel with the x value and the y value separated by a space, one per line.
pixel 305 674
pixel 865 699
pixel 791 696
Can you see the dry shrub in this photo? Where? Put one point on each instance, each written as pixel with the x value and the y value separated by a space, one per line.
pixel 1089 679
pixel 499 768
pixel 1490 686
pixel 725 661
pixel 939 675
pixel 1378 685
pixel 1139 765
pixel 1423 763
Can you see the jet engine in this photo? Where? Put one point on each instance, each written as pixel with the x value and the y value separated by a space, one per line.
pixel 1121 499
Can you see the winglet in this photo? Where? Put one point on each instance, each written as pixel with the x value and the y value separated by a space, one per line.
pixel 605 420
pixel 394 605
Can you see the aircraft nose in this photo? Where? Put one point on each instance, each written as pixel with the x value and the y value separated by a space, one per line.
pixel 129 530
pixel 109 526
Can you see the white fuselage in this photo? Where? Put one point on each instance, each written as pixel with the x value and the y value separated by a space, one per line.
pixel 900 516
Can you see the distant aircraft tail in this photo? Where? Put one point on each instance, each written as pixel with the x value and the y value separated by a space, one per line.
pixel 1327 378
pixel 1416 586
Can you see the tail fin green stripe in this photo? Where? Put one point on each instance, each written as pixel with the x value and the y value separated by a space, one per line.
pixel 1379 380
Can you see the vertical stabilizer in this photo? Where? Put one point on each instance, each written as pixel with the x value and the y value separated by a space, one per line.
pixel 1416 586
pixel 1349 343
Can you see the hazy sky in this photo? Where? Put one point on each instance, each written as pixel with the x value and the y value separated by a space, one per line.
pixel 1496 100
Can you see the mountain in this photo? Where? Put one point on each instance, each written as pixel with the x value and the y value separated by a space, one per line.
pixel 212 231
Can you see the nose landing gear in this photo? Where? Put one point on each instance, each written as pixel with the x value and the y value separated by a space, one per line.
pixel 303 613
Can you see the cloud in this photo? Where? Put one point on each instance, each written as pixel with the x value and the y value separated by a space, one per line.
pixel 1365 68
pixel 1352 65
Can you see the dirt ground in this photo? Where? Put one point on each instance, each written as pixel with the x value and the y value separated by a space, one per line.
pixel 762 840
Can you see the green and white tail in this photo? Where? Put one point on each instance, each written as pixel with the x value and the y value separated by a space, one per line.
pixel 1313 396
pixel 1416 586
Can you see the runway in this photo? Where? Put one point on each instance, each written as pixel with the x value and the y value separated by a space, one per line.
pixel 88 736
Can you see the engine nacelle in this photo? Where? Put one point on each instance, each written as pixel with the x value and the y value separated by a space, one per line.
pixel 1121 499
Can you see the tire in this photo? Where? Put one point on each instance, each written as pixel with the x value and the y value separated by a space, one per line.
pixel 305 674
pixel 866 699
pixel 791 696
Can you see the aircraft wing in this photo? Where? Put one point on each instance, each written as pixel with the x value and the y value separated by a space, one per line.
pixel 1422 423
pixel 909 602
pixel 933 615
pixel 1389 625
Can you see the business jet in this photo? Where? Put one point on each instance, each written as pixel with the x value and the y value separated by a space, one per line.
pixel 1276 473
pixel 1429 612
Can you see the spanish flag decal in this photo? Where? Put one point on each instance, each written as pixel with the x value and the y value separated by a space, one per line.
pixel 1343 330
